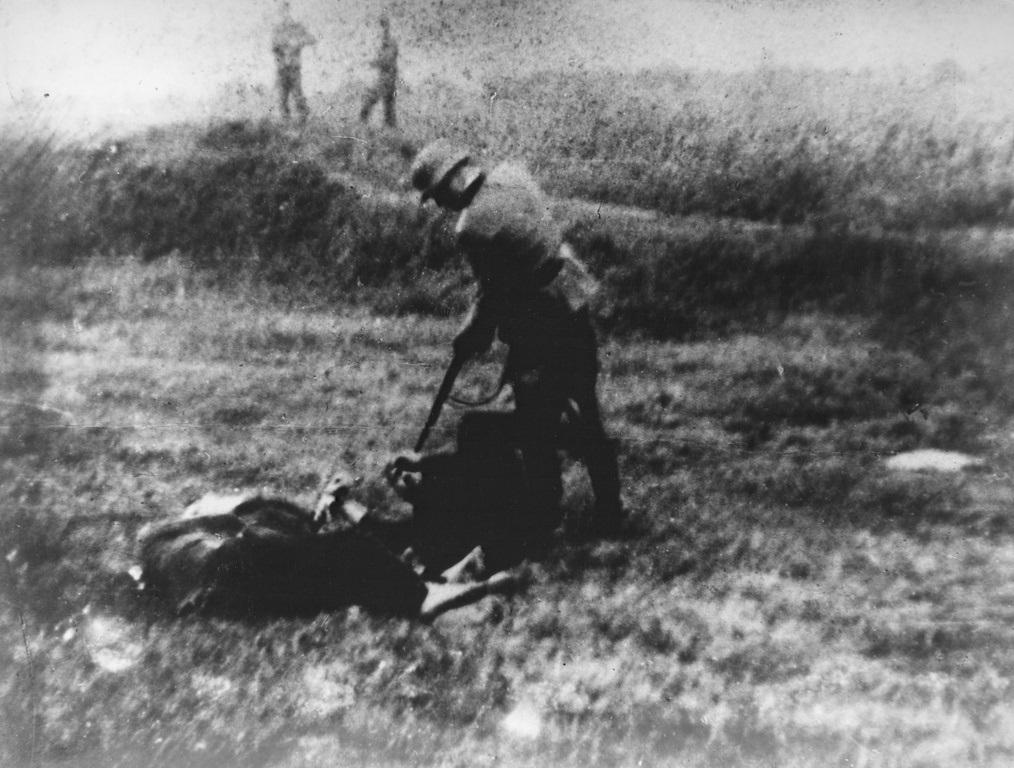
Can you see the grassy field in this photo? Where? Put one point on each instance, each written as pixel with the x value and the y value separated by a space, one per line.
pixel 789 298
pixel 788 601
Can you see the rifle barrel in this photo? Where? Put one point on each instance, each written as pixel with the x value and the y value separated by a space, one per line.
pixel 438 402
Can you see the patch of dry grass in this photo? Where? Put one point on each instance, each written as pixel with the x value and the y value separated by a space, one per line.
pixel 786 602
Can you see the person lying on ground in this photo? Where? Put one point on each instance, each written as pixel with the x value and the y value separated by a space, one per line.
pixel 474 496
pixel 472 499
pixel 252 555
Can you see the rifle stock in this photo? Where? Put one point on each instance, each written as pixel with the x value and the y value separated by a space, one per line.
pixel 457 363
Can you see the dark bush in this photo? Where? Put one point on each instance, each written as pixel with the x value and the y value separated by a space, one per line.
pixel 43 216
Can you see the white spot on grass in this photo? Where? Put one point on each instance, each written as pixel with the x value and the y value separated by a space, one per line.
pixel 212 687
pixel 327 690
pixel 523 722
pixel 111 644
pixel 933 460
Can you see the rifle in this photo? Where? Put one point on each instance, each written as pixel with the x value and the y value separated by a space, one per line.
pixel 457 363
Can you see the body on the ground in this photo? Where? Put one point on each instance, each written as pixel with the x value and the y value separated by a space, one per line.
pixel 477 495
pixel 250 555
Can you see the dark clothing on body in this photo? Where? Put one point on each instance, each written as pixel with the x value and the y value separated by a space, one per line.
pixel 265 557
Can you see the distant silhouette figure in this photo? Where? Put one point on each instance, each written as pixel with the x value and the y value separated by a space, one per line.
pixel 386 85
pixel 287 43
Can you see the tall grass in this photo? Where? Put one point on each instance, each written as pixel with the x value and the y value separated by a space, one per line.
pixel 898 150
pixel 852 150
pixel 44 213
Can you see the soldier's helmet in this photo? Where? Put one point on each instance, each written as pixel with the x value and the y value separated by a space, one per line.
pixel 435 164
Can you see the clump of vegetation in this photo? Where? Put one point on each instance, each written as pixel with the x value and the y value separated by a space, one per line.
pixel 44 213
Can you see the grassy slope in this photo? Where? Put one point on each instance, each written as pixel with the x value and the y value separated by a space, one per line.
pixel 789 603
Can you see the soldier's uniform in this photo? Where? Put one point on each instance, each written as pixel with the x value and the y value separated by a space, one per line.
pixel 386 86
pixel 534 294
pixel 287 43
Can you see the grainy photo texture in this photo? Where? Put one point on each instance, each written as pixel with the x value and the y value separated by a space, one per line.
pixel 507 383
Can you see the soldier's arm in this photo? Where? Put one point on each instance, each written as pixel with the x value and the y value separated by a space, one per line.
pixel 476 334
pixel 305 38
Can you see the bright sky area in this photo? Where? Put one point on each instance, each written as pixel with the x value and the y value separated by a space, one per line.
pixel 136 61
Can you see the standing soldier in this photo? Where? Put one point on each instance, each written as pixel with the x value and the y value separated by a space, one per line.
pixel 287 43
pixel 386 64
pixel 534 294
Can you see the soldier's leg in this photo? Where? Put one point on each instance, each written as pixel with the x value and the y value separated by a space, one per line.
pixel 598 451
pixel 284 85
pixel 299 97
pixel 369 100
pixel 389 117
pixel 538 413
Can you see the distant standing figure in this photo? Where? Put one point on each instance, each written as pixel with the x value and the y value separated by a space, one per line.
pixel 287 43
pixel 386 64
